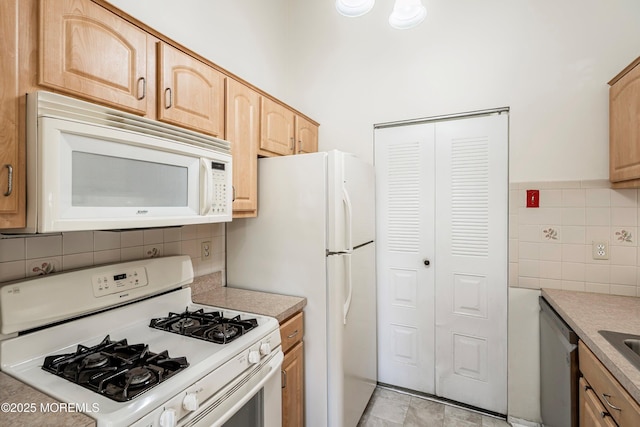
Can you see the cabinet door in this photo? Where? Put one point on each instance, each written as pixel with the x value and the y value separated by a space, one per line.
pixel 306 136
pixel 12 163
pixel 87 51
pixel 624 127
pixel 190 92
pixel 293 387
pixel 243 131
pixel 592 412
pixel 276 129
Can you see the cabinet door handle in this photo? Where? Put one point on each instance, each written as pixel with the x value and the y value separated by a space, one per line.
pixel 293 334
pixel 606 400
pixel 284 378
pixel 10 181
pixel 293 145
pixel 233 198
pixel 170 103
pixel 144 88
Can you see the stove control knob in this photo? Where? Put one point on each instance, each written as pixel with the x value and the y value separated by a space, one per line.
pixel 265 348
pixel 254 357
pixel 190 402
pixel 168 418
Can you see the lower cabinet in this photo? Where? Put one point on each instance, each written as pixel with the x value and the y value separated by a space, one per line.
pixel 602 400
pixel 291 331
pixel 592 413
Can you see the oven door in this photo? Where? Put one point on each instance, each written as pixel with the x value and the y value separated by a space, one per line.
pixel 250 400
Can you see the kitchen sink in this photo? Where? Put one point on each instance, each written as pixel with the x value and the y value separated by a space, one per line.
pixel 627 344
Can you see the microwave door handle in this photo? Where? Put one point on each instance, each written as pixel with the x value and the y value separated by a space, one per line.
pixel 206 187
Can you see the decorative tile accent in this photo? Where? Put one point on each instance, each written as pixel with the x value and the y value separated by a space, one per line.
pixel 43 266
pixel 550 233
pixel 153 251
pixel 624 236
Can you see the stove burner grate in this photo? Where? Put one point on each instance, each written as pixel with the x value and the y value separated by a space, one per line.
pixel 116 369
pixel 207 326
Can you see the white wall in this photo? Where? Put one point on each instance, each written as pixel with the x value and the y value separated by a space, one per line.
pixel 246 37
pixel 524 355
pixel 547 60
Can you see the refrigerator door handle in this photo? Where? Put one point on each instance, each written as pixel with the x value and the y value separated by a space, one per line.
pixel 347 303
pixel 348 220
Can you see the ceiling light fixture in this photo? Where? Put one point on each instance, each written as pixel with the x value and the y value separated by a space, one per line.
pixel 354 8
pixel 406 13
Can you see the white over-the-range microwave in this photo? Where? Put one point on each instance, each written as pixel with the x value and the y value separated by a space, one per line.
pixel 91 167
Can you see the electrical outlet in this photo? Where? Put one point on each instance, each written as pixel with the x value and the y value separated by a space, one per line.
pixel 600 250
pixel 205 250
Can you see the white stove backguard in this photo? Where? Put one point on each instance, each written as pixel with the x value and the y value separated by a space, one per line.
pixel 22 357
pixel 45 300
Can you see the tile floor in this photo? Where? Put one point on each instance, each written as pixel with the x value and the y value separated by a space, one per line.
pixel 388 408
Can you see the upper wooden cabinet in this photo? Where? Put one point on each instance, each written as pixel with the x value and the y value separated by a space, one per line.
pixel 624 127
pixel 92 50
pixel 306 136
pixel 243 131
pixel 276 129
pixel 86 50
pixel 190 92
pixel 284 132
pixel 12 161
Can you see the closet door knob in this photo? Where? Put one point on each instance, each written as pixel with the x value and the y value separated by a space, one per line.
pixel 426 262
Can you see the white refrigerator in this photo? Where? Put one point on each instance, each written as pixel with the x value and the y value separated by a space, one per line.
pixel 314 237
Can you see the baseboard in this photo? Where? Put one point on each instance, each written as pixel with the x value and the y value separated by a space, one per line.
pixel 517 422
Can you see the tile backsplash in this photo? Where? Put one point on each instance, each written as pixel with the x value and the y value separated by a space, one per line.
pixel 25 256
pixel 551 246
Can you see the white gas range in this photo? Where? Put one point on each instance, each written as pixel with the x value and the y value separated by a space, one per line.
pixel 138 351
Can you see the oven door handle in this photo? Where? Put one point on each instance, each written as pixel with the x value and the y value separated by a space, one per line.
pixel 274 365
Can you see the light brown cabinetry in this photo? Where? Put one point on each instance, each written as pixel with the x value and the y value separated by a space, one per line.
pixel 243 131
pixel 306 136
pixel 291 332
pixel 624 127
pixel 190 93
pixel 92 50
pixel 283 132
pixel 12 162
pixel 87 51
pixel 598 383
pixel 276 129
pixel 592 413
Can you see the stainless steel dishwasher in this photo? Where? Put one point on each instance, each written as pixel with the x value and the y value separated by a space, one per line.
pixel 558 370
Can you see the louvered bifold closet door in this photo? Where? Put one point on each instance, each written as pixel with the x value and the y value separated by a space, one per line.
pixel 471 163
pixel 404 233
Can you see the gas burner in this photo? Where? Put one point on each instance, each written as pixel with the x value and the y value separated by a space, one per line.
pixel 184 323
pixel 138 377
pixel 207 326
pixel 222 332
pixel 95 360
pixel 115 369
